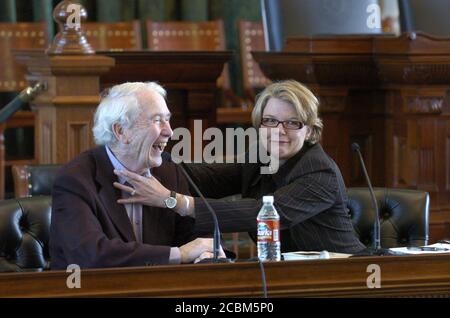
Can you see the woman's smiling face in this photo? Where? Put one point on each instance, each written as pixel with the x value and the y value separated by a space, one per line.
pixel 288 141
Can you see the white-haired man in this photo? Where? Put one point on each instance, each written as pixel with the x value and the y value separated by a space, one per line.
pixel 89 227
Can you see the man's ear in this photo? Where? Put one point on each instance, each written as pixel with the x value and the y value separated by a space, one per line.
pixel 119 133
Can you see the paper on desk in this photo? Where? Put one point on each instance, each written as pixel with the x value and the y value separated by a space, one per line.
pixel 417 252
pixel 291 256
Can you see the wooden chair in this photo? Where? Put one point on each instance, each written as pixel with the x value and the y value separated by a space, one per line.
pixel 186 36
pixel 18 36
pixel 193 36
pixel 114 36
pixel 251 38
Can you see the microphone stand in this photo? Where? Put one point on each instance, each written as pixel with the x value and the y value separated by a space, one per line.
pixel 216 237
pixel 377 250
pixel 24 97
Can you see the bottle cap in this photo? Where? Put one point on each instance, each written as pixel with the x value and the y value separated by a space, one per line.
pixel 268 199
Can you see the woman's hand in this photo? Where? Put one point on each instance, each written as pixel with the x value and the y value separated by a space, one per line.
pixel 145 190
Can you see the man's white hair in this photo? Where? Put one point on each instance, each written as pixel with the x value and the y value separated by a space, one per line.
pixel 120 105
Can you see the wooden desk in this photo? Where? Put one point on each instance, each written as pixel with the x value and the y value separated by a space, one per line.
pixel 400 276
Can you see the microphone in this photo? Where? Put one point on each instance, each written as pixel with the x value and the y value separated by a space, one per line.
pixel 376 225
pixel 24 97
pixel 216 238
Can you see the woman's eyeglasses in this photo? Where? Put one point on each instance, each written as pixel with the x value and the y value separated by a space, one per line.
pixel 288 124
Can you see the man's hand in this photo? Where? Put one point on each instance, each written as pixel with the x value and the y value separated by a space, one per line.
pixel 197 250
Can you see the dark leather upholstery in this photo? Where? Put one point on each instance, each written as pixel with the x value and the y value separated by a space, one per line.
pixel 25 224
pixel 41 179
pixel 24 234
pixel 32 180
pixel 403 216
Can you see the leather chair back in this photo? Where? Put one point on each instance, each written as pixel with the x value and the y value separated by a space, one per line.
pixel 32 180
pixel 24 234
pixel 403 216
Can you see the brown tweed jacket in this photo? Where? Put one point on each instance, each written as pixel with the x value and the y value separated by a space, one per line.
pixel 91 229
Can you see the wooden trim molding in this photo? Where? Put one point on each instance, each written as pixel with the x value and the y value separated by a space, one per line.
pixel 402 276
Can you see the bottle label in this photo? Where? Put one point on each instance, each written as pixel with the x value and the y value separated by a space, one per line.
pixel 268 231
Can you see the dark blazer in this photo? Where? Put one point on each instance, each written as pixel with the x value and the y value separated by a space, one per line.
pixel 91 229
pixel 309 194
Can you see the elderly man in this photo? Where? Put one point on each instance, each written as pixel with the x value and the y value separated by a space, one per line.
pixel 89 227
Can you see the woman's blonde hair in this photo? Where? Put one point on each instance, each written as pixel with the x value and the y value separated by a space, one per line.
pixel 301 98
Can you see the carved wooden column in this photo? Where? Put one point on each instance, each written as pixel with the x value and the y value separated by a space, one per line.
pixel 64 112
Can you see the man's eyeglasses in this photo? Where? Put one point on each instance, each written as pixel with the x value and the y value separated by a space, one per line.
pixel 288 124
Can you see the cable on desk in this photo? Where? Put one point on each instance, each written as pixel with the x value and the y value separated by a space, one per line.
pixel 263 278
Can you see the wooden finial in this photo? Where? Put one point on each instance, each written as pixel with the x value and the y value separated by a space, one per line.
pixel 70 39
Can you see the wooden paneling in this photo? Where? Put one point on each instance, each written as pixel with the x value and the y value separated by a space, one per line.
pixel 64 112
pixel 189 77
pixel 78 137
pixel 396 107
pixel 234 115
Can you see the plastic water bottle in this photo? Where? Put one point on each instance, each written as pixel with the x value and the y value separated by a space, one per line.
pixel 268 231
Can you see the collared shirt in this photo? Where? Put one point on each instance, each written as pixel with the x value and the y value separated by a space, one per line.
pixel 134 210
